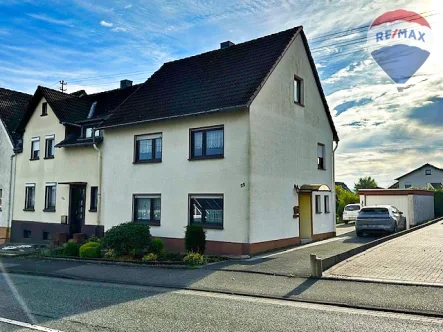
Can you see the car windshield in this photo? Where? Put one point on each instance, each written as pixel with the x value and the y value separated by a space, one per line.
pixel 379 212
pixel 354 207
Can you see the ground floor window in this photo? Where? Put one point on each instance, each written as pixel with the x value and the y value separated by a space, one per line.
pixel 206 210
pixel 94 199
pixel 30 196
pixel 327 209
pixel 50 197
pixel 147 208
pixel 317 204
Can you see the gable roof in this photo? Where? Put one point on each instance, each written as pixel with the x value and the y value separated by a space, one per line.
pixel 13 106
pixel 425 165
pixel 436 185
pixel 220 80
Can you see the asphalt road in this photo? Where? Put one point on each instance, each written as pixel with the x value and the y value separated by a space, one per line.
pixel 68 305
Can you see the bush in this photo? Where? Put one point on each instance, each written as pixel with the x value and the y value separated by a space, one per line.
pixel 94 238
pixel 90 250
pixel 156 246
pixel 53 252
pixel 195 239
pixel 110 254
pixel 71 249
pixel 128 238
pixel 150 257
pixel 194 258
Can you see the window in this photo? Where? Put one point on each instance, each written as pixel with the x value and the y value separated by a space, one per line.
pixel 206 210
pixel 49 146
pixel 327 210
pixel 46 236
pixel 321 156
pixel 26 233
pixel 408 185
pixel 1 199
pixel 44 109
pixel 148 148
pixel 35 148
pixel 317 204
pixel 298 90
pixel 428 172
pixel 50 197
pixel 207 143
pixel 147 208
pixel 94 199
pixel 88 131
pixel 29 197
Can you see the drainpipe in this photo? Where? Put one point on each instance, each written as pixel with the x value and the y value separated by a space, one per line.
pixel 99 171
pixel 333 184
pixel 11 199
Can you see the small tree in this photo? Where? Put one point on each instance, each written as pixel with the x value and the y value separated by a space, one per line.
pixel 365 183
pixel 195 239
pixel 128 239
pixel 344 198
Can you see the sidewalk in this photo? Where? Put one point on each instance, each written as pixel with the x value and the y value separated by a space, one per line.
pixel 415 258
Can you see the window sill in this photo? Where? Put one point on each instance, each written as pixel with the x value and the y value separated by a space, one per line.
pixel 149 161
pixel 32 159
pixel 49 210
pixel 51 157
pixel 299 104
pixel 149 223
pixel 321 169
pixel 208 226
pixel 318 212
pixel 29 209
pixel 206 157
pixel 44 114
pixel 92 210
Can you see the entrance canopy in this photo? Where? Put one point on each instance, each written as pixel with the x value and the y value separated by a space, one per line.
pixel 308 188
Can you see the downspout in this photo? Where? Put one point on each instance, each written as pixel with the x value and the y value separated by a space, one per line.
pixel 11 196
pixel 99 172
pixel 333 185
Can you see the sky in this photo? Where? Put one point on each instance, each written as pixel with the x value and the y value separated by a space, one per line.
pixel 92 45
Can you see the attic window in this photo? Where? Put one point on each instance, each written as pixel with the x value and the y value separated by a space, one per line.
pixel 44 109
pixel 428 172
pixel 298 90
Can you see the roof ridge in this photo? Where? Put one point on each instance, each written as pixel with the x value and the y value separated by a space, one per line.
pixel 108 91
pixel 15 91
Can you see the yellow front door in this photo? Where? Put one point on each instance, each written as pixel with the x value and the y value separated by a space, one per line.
pixel 305 216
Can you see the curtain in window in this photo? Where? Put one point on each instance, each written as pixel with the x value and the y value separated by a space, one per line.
pixel 145 149
pixel 157 208
pixel 51 196
pixel 30 197
pixel 143 209
pixel 198 143
pixel 320 151
pixel 214 142
pixel 158 148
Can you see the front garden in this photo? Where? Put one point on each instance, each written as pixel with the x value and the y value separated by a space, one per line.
pixel 132 242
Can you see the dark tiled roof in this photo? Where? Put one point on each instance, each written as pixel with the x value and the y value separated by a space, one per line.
pixel 343 185
pixel 425 165
pixel 73 140
pixel 436 185
pixel 13 106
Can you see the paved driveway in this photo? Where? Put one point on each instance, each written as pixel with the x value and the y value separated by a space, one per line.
pixel 412 258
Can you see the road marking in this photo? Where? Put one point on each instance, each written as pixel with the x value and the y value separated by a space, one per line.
pixel 27 325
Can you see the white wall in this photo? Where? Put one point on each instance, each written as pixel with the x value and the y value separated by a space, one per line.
pixel 423 208
pixel 322 222
pixel 77 164
pixel 176 177
pixel 419 179
pixel 284 139
pixel 6 152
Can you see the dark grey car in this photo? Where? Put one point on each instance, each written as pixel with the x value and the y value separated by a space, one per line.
pixel 379 219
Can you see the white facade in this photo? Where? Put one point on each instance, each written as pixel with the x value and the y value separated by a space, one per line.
pixel 421 177
pixel 6 167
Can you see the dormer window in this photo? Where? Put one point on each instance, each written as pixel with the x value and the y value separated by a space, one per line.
pixel 89 131
pixel 44 109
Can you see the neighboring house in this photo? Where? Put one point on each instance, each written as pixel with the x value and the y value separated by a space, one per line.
pixel 12 107
pixel 421 177
pixel 58 168
pixel 343 186
pixel 238 140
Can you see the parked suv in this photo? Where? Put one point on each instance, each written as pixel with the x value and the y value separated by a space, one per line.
pixel 350 212
pixel 379 219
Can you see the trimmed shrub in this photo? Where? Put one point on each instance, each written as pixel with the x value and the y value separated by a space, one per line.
pixel 71 249
pixel 53 252
pixel 94 238
pixel 90 250
pixel 128 239
pixel 194 258
pixel 150 257
pixel 156 246
pixel 195 239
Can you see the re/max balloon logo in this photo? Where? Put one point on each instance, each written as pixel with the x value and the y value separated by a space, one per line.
pixel 400 41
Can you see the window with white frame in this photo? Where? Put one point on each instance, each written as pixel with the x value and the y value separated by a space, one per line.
pixel 317 203
pixel 321 156
pixel 206 210
pixel 50 146
pixel 35 148
pixel 298 90
pixel 148 148
pixel 50 196
pixel 29 196
pixel 147 208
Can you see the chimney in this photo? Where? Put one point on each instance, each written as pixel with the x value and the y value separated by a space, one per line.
pixel 125 84
pixel 226 44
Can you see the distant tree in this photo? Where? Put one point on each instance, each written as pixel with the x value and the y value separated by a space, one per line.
pixel 365 183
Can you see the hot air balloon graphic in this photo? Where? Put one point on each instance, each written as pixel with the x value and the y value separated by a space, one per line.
pixel 400 42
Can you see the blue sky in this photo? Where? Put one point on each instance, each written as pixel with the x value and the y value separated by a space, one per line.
pixel 94 44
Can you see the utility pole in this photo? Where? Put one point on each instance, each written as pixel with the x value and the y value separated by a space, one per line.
pixel 62 87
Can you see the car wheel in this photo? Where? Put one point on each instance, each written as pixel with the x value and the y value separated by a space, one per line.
pixel 359 234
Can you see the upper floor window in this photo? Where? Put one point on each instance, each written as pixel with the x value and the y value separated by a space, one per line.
pixel 30 196
pixel 44 109
pixel 207 143
pixel 298 90
pixel 50 197
pixel 206 210
pixel 89 131
pixel 49 146
pixel 94 199
pixel 148 148
pixel 428 172
pixel 35 148
pixel 147 208
pixel 321 156
pixel 408 185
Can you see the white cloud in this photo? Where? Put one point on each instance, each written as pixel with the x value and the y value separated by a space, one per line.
pixel 119 29
pixel 106 24
pixel 48 19
pixel 128 6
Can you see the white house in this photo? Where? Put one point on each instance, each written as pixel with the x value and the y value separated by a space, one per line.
pixel 425 176
pixel 238 140
pixel 12 107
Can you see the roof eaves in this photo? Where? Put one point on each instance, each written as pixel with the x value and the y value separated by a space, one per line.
pixel 414 170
